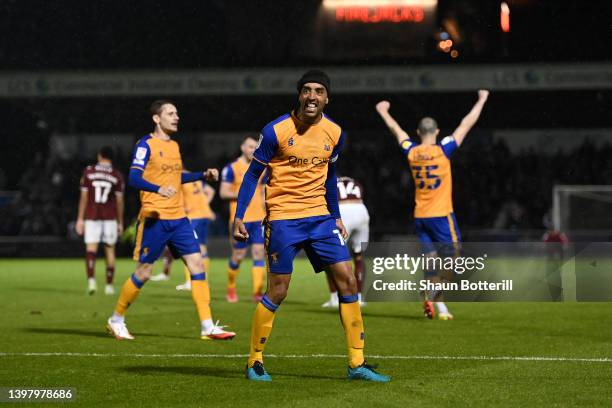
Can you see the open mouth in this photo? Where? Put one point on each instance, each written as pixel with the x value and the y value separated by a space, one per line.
pixel 310 107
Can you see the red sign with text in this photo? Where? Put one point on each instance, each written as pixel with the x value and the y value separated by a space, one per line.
pixel 382 14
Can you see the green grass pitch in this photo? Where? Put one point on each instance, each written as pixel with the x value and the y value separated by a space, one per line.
pixel 44 309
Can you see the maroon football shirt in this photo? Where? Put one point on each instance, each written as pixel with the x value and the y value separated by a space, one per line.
pixel 102 183
pixel 349 189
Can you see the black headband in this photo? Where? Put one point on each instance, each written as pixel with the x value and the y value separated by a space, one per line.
pixel 316 76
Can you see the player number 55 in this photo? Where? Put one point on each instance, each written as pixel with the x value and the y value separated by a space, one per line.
pixel 435 181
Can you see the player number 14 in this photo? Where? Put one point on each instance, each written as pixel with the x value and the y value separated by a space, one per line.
pixel 349 189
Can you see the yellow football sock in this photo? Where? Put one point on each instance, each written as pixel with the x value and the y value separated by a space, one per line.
pixel 200 293
pixel 350 314
pixel 129 293
pixel 260 332
pixel 232 275
pixel 258 273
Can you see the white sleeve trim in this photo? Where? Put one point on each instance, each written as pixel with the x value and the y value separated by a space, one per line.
pixel 447 140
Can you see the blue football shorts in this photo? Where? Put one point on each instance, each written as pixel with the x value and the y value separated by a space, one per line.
pixel 318 236
pixel 255 230
pixel 200 226
pixel 439 234
pixel 152 236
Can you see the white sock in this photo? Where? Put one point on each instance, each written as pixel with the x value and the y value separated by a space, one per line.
pixel 441 307
pixel 334 297
pixel 91 281
pixel 207 325
pixel 359 297
pixel 115 318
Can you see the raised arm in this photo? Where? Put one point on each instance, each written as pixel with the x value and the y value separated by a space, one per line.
pixel 471 118
pixel 382 108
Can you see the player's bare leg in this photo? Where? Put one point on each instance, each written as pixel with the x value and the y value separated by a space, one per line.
pixel 263 318
pixel 358 262
pixel 200 293
pixel 350 315
pixel 233 270
pixel 436 297
pixel 358 268
pixel 258 271
pixel 205 258
pixel 109 254
pixel 167 260
pixel 90 266
pixel 333 292
pixel 429 310
pixel 129 292
pixel 443 312
pixel 187 284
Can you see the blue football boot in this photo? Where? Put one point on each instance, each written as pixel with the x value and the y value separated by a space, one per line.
pixel 257 372
pixel 366 372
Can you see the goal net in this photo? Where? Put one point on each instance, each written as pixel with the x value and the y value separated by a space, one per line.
pixel 582 208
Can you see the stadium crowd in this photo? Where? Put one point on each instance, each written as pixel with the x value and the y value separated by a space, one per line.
pixel 493 187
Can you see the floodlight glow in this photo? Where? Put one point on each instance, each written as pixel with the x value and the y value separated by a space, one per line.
pixel 505 17
pixel 332 4
pixel 504 8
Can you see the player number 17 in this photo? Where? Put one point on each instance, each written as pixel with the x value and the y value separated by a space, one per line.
pixel 101 191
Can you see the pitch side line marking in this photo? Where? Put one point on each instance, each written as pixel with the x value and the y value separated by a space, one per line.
pixel 303 356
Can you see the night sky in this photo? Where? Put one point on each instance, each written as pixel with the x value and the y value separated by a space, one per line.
pixel 216 33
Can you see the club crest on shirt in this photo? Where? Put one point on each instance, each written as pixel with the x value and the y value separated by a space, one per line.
pixel 161 154
pixel 290 142
pixel 140 155
pixel 327 148
pixel 274 257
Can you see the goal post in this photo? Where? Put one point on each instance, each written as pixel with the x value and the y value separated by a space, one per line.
pixel 582 208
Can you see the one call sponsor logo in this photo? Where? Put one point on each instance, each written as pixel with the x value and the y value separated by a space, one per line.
pixel 171 168
pixel 308 161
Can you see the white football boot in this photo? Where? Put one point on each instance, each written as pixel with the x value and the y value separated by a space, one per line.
pixel 119 330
